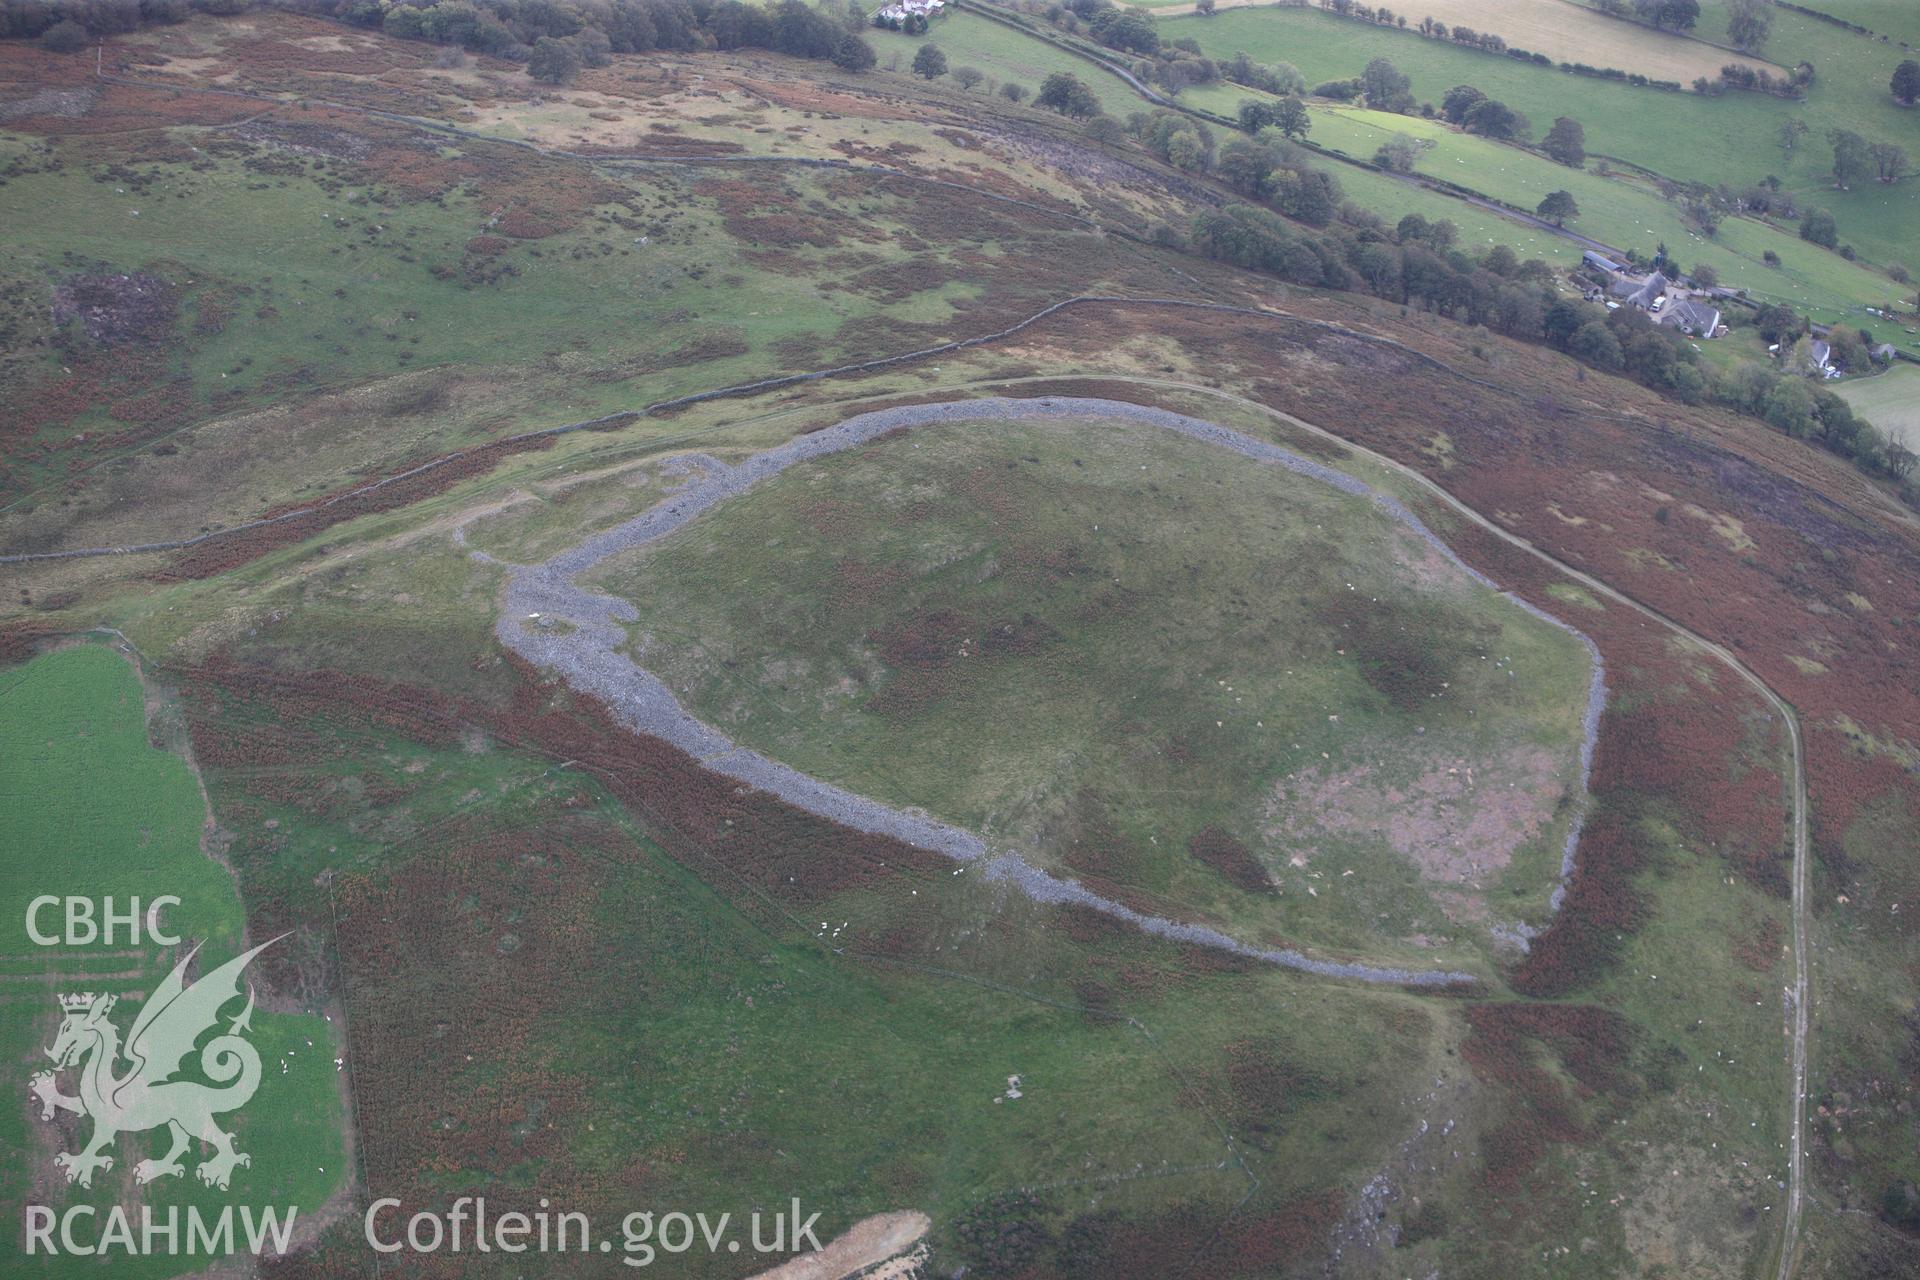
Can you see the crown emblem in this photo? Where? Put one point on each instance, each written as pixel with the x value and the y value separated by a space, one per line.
pixel 77 1003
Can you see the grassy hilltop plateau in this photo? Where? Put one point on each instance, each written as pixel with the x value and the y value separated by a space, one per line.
pixel 1223 640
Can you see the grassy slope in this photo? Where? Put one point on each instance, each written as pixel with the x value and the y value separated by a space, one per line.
pixel 591 322
pixel 1729 139
pixel 69 721
pixel 1187 589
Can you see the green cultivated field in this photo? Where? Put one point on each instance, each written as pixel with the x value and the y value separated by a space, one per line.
pixel 91 809
pixel 1895 19
pixel 1891 401
pixel 1092 643
pixel 1005 55
pixel 1728 139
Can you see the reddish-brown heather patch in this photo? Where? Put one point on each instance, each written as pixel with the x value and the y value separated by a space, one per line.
pixel 1601 907
pixel 19 639
pixel 1196 1239
pixel 295 44
pixel 741 834
pixel 1589 1044
pixel 1231 859
pixel 1759 947
pixel 451 1082
pixel 763 210
pixel 1738 808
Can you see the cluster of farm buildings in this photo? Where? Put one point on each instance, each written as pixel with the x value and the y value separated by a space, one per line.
pixel 1665 301
pixel 901 10
pixel 1693 311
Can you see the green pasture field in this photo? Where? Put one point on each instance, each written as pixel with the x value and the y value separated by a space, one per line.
pixel 1006 55
pixel 1729 139
pixel 1890 400
pixel 1621 213
pixel 1123 638
pixel 1894 19
pixel 1479 229
pixel 94 810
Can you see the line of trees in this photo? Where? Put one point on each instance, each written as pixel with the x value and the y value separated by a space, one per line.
pixel 1737 75
pixel 1475 112
pixel 1419 263
pixel 1669 15
pixel 77 20
pixel 554 39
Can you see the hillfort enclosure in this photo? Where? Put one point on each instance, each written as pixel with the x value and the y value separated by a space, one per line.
pixel 805 640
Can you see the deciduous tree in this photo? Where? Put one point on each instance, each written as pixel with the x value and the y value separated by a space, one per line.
pixel 1292 118
pixel 1459 100
pixel 1789 133
pixel 1386 87
pixel 1889 161
pixel 854 54
pixel 1748 24
pixel 1566 142
pixel 1906 83
pixel 929 62
pixel 553 61
pixel 1558 207
pixel 64 36
pixel 1063 92
pixel 1492 118
pixel 1851 160
pixel 1818 228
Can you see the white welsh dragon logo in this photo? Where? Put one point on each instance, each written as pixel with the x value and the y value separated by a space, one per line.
pixel 147 1096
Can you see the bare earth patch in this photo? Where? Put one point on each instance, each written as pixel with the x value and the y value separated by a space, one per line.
pixel 1454 820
